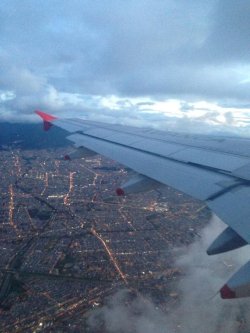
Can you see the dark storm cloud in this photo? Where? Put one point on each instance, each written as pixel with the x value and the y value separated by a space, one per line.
pixel 188 50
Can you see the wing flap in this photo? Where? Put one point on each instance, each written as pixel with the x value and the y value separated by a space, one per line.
pixel 158 147
pixel 211 159
pixel 243 172
pixel 233 207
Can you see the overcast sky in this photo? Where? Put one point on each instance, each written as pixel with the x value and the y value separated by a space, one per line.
pixel 175 64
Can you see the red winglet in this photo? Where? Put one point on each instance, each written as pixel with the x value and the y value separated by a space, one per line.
pixel 45 116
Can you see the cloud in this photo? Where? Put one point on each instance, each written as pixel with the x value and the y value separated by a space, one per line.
pixel 227 41
pixel 65 56
pixel 123 316
pixel 204 275
pixel 197 311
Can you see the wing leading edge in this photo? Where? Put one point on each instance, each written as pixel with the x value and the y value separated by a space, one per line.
pixel 212 169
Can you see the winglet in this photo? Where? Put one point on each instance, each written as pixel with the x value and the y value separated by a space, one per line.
pixel 45 116
pixel 47 119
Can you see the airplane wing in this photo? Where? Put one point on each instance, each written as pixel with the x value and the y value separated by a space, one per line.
pixel 213 169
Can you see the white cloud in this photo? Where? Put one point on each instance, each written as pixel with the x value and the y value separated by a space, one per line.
pixel 6 95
